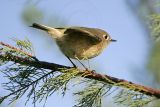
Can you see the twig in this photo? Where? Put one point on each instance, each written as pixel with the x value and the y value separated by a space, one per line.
pixel 26 86
pixel 16 49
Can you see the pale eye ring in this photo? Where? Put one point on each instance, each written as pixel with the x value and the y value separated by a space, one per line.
pixel 106 37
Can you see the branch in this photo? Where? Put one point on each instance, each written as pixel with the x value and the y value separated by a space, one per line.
pixel 17 49
pixel 86 74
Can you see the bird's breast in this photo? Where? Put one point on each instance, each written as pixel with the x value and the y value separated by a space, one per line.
pixel 80 49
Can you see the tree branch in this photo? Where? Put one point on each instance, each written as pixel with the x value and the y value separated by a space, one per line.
pixel 17 49
pixel 86 74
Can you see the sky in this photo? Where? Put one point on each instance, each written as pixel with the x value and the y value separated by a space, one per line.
pixel 123 59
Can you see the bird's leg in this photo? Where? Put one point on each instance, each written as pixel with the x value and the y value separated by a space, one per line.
pixel 71 62
pixel 82 64
pixel 87 69
pixel 88 64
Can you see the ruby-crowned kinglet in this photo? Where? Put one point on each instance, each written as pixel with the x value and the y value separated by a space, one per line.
pixel 79 43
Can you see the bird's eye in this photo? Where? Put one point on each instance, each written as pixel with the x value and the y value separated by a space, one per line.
pixel 106 37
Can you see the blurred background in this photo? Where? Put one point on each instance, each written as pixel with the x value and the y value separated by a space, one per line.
pixel 134 57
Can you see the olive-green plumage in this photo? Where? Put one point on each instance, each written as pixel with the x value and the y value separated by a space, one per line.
pixel 78 42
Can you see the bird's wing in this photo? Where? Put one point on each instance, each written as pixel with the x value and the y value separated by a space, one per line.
pixel 83 31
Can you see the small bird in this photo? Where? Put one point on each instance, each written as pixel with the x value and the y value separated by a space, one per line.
pixel 79 43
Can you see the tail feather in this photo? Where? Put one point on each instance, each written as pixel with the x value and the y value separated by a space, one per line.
pixel 55 33
pixel 39 26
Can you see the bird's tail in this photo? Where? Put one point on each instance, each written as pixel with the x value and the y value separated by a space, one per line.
pixel 40 26
pixel 55 33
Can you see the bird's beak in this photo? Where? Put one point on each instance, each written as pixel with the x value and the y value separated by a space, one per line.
pixel 113 40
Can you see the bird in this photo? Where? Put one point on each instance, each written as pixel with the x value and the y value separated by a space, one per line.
pixel 75 42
